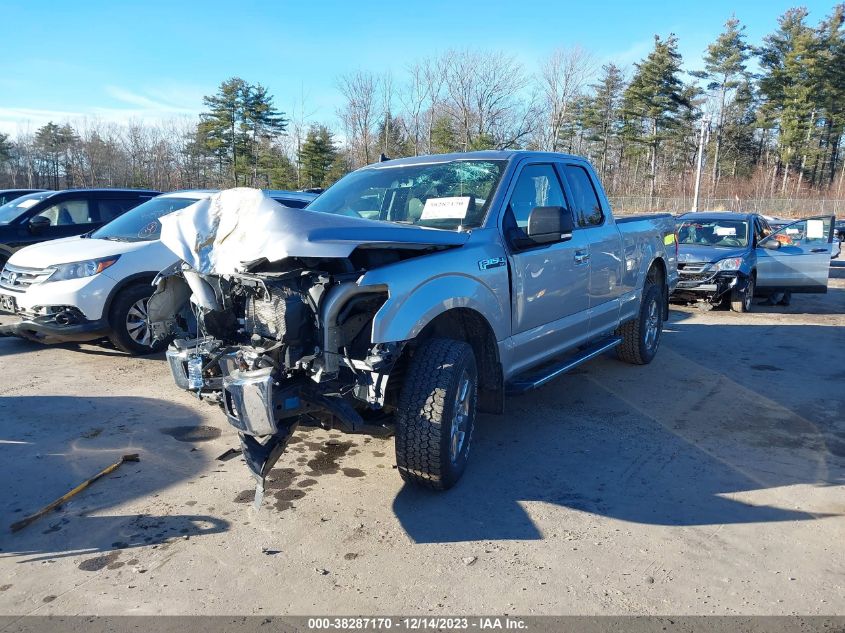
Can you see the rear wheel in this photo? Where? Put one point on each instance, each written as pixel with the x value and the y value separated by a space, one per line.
pixel 641 336
pixel 436 413
pixel 130 327
pixel 741 301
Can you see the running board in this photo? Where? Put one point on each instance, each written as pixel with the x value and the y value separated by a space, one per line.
pixel 537 377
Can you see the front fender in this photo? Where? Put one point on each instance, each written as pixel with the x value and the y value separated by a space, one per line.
pixel 403 316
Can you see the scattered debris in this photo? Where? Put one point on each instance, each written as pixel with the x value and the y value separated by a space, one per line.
pixel 229 454
pixel 322 572
pixel 469 560
pixel 32 518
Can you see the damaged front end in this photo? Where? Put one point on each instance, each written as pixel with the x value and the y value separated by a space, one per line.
pixel 705 283
pixel 277 347
pixel 269 315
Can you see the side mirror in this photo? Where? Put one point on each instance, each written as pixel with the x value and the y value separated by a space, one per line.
pixel 38 223
pixel 772 245
pixel 547 225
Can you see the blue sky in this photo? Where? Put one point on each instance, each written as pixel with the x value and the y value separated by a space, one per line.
pixel 152 59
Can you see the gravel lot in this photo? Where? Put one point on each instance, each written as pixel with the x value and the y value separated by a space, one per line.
pixel 710 481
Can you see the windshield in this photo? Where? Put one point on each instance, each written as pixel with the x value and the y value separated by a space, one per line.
pixel 141 224
pixel 441 195
pixel 11 211
pixel 713 232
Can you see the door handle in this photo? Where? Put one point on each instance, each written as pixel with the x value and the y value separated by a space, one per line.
pixel 581 257
pixel 819 250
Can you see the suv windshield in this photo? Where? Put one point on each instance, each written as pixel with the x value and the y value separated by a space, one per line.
pixel 11 211
pixel 713 232
pixel 141 224
pixel 439 195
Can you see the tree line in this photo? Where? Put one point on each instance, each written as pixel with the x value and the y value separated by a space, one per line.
pixel 769 117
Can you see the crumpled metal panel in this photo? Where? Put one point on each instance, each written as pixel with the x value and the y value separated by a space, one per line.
pixel 218 234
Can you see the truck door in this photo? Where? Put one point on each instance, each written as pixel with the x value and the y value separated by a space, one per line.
pixel 549 294
pixel 606 266
pixel 797 256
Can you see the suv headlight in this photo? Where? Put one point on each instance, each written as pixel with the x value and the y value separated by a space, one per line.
pixel 731 263
pixel 77 270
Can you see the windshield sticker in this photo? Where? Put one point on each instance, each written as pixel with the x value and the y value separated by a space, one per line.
pixel 454 208
pixel 815 229
pixel 724 231
pixel 792 231
pixel 26 204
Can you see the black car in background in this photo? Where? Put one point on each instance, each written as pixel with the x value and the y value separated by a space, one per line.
pixel 49 215
pixel 7 195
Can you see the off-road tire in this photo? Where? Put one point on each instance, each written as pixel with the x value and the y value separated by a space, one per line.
pixel 119 334
pixel 426 406
pixel 742 301
pixel 634 348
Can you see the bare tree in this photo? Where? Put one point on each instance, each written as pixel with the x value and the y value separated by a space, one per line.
pixel 486 99
pixel 563 77
pixel 359 113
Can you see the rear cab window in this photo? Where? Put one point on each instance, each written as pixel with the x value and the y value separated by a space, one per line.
pixel 586 206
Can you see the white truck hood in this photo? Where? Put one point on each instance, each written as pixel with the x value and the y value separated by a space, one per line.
pixel 71 249
pixel 236 226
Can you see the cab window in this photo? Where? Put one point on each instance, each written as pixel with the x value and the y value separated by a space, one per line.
pixel 586 207
pixel 537 186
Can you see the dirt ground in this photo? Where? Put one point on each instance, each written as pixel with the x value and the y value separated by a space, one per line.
pixel 709 482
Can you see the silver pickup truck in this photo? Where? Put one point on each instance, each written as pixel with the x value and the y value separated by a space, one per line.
pixel 413 293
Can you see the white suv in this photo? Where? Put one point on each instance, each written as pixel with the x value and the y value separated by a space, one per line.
pixel 97 285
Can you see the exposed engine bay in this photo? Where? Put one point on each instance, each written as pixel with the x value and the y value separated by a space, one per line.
pixel 276 343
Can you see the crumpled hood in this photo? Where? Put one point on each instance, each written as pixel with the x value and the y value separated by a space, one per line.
pixel 71 249
pixel 219 234
pixel 691 253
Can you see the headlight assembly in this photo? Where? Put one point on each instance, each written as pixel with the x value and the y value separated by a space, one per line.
pixel 77 270
pixel 731 263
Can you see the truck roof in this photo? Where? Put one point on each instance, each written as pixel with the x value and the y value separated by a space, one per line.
pixel 506 154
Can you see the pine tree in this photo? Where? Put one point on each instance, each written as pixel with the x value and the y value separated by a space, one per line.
pixel 390 138
pixel 653 99
pixel 317 156
pixel 791 81
pixel 444 138
pixel 52 143
pixel 831 36
pixel 602 116
pixel 725 69
pixel 239 115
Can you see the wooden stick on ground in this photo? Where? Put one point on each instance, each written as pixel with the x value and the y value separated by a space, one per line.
pixel 32 518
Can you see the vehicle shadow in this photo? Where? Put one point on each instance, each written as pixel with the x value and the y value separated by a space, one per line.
pixel 702 436
pixel 10 345
pixel 52 443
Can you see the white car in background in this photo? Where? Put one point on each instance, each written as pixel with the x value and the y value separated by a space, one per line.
pixel 96 285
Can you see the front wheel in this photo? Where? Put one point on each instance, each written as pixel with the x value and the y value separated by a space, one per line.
pixel 641 336
pixel 130 327
pixel 436 413
pixel 741 301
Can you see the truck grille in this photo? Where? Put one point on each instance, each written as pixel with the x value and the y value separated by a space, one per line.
pixel 18 279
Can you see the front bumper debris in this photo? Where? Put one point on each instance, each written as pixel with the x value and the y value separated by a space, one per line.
pixel 708 286
pixel 66 326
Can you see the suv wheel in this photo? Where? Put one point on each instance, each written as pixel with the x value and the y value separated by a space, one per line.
pixel 436 413
pixel 128 319
pixel 741 301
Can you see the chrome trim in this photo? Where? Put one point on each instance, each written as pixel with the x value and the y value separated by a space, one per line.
pixel 18 278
